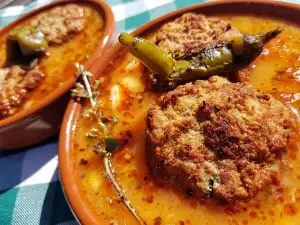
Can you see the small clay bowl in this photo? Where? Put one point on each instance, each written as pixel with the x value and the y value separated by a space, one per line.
pixel 43 120
pixel 82 209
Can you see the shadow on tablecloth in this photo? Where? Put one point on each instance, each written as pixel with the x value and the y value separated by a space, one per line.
pixel 55 209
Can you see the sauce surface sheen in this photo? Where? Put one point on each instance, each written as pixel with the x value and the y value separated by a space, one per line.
pixel 276 71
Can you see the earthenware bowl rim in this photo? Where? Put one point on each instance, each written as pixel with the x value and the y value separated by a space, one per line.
pixel 85 213
pixel 108 32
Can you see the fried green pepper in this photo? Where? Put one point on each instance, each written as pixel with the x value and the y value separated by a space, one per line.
pixel 158 60
pixel 221 58
pixel 27 41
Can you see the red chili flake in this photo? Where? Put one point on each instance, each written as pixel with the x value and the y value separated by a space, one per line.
pixel 148 199
pixel 271 213
pixel 290 209
pixel 157 221
pixel 83 161
pixel 245 222
pixel 253 214
pixel 128 133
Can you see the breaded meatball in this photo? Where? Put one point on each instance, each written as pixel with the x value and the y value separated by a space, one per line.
pixel 15 83
pixel 191 32
pixel 217 139
pixel 60 23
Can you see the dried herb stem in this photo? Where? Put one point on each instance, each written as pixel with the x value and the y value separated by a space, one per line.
pixel 110 143
pixel 91 95
pixel 88 89
pixel 110 176
pixel 84 74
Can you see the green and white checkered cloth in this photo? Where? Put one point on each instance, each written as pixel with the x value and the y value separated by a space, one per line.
pixel 30 190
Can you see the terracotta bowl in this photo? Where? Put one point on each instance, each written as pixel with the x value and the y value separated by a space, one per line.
pixel 43 120
pixel 82 209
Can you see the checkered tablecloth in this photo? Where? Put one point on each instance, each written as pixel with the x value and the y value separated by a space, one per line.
pixel 30 190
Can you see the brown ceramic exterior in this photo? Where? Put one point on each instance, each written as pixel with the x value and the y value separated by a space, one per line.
pixel 43 120
pixel 83 211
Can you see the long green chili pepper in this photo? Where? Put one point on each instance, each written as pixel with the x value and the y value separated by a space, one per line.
pixel 25 41
pixel 225 57
pixel 158 60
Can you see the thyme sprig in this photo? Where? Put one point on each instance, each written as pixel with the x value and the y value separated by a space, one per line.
pixel 85 91
pixel 106 146
pixel 109 173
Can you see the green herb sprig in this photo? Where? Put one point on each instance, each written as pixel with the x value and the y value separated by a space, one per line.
pixel 106 146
